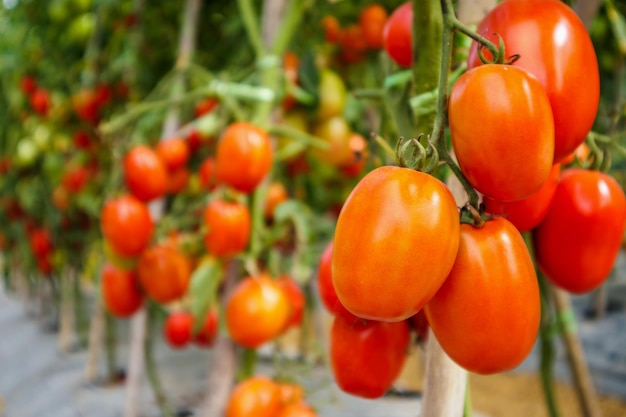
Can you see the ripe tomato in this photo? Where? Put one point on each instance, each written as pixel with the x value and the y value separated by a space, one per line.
pixel 502 131
pixel 332 95
pixel 120 291
pixel 145 174
pixel 40 101
pixel 207 333
pixel 205 106
pixel 358 146
pixel 259 300
pixel 255 397
pixel 164 273
pixel 336 133
pixel 276 194
pixel 527 213
pixel 419 323
pixel 558 48
pixel 579 239
pixel 86 104
pixel 75 179
pixel 295 298
pixel 228 227
pixel 325 284
pixel 207 174
pixel 290 393
pixel 367 356
pixel 297 410
pixel 489 302
pixel 173 152
pixel 126 224
pixel 353 44
pixel 290 69
pixel 177 180
pixel 177 329
pixel 40 242
pixel 398 35
pixel 332 28
pixel 28 84
pixel 396 240
pixel 244 156
pixel 372 21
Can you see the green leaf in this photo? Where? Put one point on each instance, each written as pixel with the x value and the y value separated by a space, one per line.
pixel 205 282
pixel 309 76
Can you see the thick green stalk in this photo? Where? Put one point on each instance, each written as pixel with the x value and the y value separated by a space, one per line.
pixel 251 24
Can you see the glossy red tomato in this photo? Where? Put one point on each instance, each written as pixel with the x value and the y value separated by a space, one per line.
pixel 258 396
pixel 120 292
pixel 28 84
pixel 367 356
pixel 244 156
pixel 396 240
pixel 177 180
pixel 502 131
pixel 163 273
pixel 126 224
pixel 486 315
pixel 40 242
pixel 259 301
pixel 527 213
pixel 174 153
pixel 327 292
pixel 578 241
pixel 207 333
pixel 145 174
pixel 228 227
pixel 295 297
pixel 177 329
pixel 372 21
pixel 40 101
pixel 398 35
pixel 553 45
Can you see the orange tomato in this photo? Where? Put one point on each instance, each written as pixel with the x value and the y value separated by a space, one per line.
pixel 295 296
pixel 177 329
pixel 255 397
pixel 259 300
pixel 290 393
pixel 174 153
pixel 177 180
pixel 164 273
pixel 332 28
pixel 207 174
pixel 276 194
pixel 372 20
pixel 297 410
pixel 325 286
pixel 228 227
pixel 120 291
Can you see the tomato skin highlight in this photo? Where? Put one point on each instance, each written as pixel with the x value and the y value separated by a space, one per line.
pixel 177 329
pixel 553 45
pixel 578 241
pixel 367 356
pixel 487 313
pixel 163 273
pixel 503 139
pixel 396 239
pixel 527 213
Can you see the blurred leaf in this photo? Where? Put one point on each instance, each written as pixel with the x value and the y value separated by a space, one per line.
pixel 205 282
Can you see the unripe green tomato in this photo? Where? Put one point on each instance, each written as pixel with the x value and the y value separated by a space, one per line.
pixel 332 95
pixel 336 132
pixel 81 28
pixel 41 137
pixel 57 11
pixel 27 153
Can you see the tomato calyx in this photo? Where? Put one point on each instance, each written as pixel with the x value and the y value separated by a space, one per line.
pixel 599 158
pixel 475 217
pixel 414 155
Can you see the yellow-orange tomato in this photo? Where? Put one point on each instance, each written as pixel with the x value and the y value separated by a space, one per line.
pixel 295 295
pixel 173 152
pixel 255 397
pixel 297 410
pixel 486 315
pixel 332 28
pixel 256 311
pixel 358 146
pixel 336 133
pixel 276 194
pixel 228 227
pixel 244 156
pixel 290 393
pixel 120 291
pixel 396 240
pixel 163 273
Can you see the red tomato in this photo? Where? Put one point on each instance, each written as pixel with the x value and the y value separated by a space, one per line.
pixel 325 284
pixel 332 28
pixel 355 167
pixel 164 273
pixel 527 213
pixel 207 174
pixel 177 329
pixel 259 300
pixel 367 356
pixel 28 84
pixel 228 227
pixel 395 243
pixel 398 35
pixel 177 180
pixel 502 131
pixel 87 105
pixel 295 297
pixel 82 140
pixel 40 101
pixel 486 315
pixel 419 323
pixel 255 397
pixel 353 44
pixel 173 152
pixel 75 179
pixel 120 292
pixel 40 242
pixel 372 21
pixel 244 156
pixel 205 106
pixel 145 174
pixel 553 45
pixel 207 333
pixel 126 224
pixel 578 241
pixel 290 69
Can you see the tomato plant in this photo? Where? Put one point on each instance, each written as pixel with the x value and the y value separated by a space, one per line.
pixel 367 356
pixel 509 155
pixel 173 152
pixel 489 302
pixel 295 297
pixel 559 47
pixel 325 286
pixel 578 241
pixel 395 243
pixel 208 332
pixel 259 300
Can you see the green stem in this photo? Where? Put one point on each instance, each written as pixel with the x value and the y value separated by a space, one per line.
pixel 467 406
pixel 445 156
pixel 251 24
pixel 247 364
pixel 151 366
pixel 289 24
pixel 110 338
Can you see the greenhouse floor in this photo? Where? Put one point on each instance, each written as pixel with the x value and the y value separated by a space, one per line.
pixel 37 380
